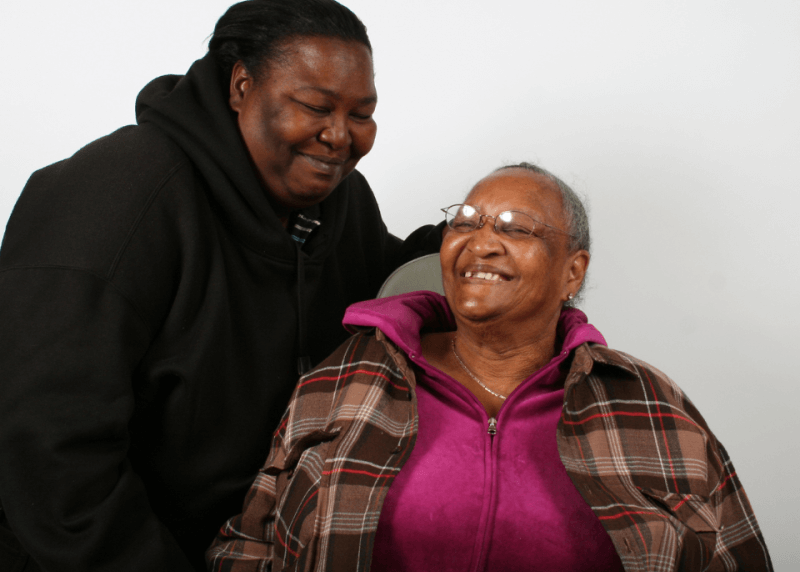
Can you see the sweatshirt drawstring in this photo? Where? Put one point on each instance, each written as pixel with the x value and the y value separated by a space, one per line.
pixel 303 359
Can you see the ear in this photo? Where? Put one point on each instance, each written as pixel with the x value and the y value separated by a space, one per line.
pixel 241 82
pixel 577 265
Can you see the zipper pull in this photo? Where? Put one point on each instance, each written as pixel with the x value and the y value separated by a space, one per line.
pixel 492 426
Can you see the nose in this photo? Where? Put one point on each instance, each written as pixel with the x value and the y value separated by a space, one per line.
pixel 484 240
pixel 336 134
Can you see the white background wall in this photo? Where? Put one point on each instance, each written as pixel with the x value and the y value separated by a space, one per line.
pixel 679 120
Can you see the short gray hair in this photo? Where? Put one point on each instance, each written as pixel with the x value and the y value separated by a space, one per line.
pixel 572 207
pixel 575 216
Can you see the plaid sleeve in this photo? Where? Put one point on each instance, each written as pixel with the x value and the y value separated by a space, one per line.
pixel 246 542
pixel 261 535
pixel 740 544
pixel 644 459
pixel 315 504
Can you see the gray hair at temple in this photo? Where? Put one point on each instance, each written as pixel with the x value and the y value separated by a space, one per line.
pixel 574 214
pixel 573 208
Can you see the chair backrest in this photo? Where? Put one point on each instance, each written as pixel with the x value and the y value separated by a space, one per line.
pixel 423 273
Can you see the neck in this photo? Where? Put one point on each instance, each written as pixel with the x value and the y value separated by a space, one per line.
pixel 507 357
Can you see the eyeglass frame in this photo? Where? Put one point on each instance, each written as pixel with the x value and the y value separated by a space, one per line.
pixel 481 222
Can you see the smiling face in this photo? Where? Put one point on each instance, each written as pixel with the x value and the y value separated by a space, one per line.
pixel 307 120
pixel 519 282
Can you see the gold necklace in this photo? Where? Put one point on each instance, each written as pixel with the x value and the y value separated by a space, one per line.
pixel 472 375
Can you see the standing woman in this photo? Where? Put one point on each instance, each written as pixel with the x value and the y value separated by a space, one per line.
pixel 161 289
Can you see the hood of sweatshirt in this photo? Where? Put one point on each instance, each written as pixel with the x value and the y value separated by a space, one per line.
pixel 193 111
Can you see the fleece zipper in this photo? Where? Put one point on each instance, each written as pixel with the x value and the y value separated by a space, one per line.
pixel 488 510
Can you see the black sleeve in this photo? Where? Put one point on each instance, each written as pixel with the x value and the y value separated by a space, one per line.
pixel 69 343
pixel 425 240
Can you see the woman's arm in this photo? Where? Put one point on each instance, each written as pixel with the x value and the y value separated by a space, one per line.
pixel 246 541
pixel 739 538
pixel 645 460
pixel 68 345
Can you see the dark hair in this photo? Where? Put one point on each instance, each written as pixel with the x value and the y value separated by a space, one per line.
pixel 254 31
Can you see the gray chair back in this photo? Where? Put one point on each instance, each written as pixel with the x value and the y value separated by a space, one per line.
pixel 423 273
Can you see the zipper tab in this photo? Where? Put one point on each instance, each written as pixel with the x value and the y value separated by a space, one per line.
pixel 492 426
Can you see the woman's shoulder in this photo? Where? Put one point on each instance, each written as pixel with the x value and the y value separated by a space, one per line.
pixel 84 212
pixel 624 361
pixel 623 381
pixel 132 151
pixel 365 378
pixel 117 169
pixel 367 358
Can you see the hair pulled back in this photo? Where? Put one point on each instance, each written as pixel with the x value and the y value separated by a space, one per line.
pixel 255 31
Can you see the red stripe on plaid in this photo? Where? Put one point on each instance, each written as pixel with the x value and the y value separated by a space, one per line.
pixel 357 472
pixel 585 464
pixel 278 534
pixel 284 544
pixel 728 478
pixel 302 509
pixel 630 414
pixel 680 504
pixel 354 372
pixel 630 513
pixel 663 430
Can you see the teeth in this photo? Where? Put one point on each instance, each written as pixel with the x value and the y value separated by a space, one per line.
pixel 482 275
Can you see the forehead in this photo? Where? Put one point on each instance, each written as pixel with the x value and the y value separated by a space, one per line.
pixel 518 190
pixel 330 63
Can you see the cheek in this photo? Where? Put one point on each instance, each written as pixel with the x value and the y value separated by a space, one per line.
pixel 363 137
pixel 279 127
pixel 448 252
pixel 259 149
pixel 534 256
pixel 544 272
pixel 287 129
pixel 257 132
pixel 452 246
pixel 531 262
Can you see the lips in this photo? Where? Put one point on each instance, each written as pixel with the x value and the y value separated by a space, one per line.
pixel 485 274
pixel 323 164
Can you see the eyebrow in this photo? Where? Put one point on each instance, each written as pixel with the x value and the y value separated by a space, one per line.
pixel 334 95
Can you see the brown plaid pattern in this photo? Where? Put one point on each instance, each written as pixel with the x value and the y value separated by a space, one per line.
pixel 646 462
pixel 635 447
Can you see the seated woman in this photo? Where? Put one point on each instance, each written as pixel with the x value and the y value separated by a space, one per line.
pixel 493 429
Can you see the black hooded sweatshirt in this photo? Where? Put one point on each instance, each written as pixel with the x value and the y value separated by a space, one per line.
pixel 152 313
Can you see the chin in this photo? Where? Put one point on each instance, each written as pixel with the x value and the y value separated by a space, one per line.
pixel 475 310
pixel 317 188
pixel 309 195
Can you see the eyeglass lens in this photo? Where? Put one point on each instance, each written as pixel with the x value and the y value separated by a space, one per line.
pixel 466 218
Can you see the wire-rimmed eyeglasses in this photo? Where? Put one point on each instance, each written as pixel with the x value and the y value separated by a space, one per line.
pixel 513 224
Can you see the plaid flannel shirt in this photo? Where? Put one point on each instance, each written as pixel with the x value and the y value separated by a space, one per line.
pixel 634 446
